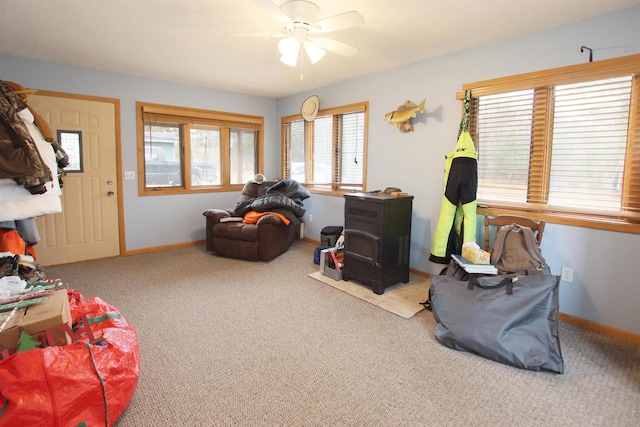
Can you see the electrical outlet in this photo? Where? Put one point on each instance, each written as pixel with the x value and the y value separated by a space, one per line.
pixel 310 218
pixel 566 274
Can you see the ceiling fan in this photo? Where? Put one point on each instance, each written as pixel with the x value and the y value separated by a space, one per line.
pixel 299 19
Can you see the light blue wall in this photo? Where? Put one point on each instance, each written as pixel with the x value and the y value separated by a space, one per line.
pixel 606 287
pixel 165 220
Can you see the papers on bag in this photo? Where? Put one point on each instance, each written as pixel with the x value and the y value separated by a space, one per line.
pixel 470 267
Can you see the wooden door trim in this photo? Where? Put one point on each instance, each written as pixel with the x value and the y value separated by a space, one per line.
pixel 118 132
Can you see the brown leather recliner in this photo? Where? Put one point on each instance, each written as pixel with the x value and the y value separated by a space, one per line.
pixel 228 236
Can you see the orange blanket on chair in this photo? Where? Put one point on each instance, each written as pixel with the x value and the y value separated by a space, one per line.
pixel 252 217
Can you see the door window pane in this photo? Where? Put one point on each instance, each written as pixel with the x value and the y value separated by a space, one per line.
pixel 71 143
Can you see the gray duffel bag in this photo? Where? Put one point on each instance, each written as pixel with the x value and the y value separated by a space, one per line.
pixel 512 319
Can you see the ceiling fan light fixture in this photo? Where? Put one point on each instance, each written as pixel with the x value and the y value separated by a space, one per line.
pixel 289 49
pixel 315 53
pixel 291 61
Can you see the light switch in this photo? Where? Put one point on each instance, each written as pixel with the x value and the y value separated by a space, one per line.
pixel 129 175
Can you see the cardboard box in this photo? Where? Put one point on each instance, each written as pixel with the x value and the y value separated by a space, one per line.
pixel 10 333
pixel 37 320
pixel 476 256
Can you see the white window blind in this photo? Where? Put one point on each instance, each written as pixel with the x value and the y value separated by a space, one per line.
pixel 329 153
pixel 590 128
pixel 560 148
pixel 323 148
pixel 351 153
pixel 504 123
pixel 295 151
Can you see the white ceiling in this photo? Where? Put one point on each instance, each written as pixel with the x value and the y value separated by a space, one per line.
pixel 187 41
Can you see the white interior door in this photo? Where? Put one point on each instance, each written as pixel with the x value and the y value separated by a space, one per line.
pixel 88 227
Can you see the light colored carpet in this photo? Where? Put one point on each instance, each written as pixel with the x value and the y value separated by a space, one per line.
pixel 226 342
pixel 402 299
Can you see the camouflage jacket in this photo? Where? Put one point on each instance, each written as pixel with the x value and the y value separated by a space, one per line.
pixel 19 156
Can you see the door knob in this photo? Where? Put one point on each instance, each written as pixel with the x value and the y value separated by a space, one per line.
pixel 110 193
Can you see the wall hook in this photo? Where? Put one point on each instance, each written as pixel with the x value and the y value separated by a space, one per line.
pixel 582 48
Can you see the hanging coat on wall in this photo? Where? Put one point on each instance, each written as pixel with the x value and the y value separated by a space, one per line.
pixel 16 202
pixel 26 140
pixel 19 156
pixel 458 211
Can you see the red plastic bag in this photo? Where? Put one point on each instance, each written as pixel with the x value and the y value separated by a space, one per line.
pixel 76 383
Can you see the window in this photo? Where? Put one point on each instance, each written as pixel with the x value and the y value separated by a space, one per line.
pixel 328 154
pixel 71 143
pixel 189 150
pixel 562 144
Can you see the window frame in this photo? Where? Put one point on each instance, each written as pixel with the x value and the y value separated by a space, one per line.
pixel 617 67
pixel 185 116
pixel 332 189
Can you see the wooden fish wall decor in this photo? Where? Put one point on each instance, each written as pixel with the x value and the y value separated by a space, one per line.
pixel 401 118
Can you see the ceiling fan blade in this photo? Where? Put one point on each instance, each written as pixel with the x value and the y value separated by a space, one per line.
pixel 335 46
pixel 273 10
pixel 257 34
pixel 338 22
